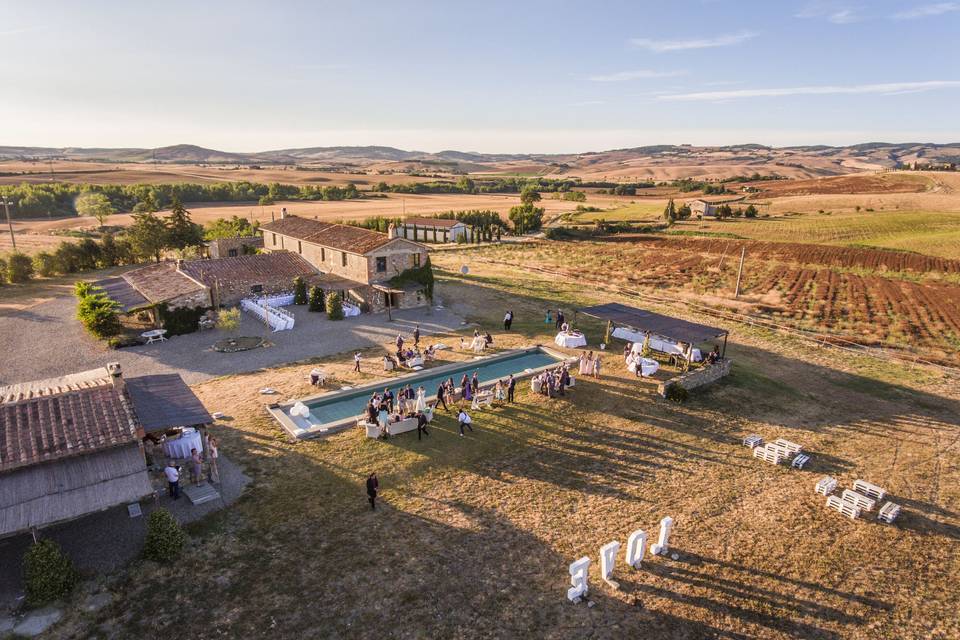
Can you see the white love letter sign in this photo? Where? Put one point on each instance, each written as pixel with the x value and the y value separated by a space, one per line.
pixel 636 547
pixel 663 542
pixel 608 558
pixel 578 578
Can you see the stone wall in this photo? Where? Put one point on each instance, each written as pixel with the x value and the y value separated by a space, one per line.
pixel 199 298
pixel 698 377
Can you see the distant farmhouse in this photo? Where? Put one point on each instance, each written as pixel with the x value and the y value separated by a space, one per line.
pixel 357 263
pixel 233 247
pixel 707 207
pixel 435 230
pixel 74 445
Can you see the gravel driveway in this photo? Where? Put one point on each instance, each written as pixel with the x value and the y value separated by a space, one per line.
pixel 46 340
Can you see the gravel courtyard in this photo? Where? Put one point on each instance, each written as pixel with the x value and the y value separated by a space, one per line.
pixel 46 340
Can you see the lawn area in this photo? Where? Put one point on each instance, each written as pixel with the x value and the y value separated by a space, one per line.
pixel 935 233
pixel 474 535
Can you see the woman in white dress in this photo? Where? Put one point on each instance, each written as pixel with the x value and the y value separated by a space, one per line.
pixel 498 392
pixel 421 404
pixel 586 364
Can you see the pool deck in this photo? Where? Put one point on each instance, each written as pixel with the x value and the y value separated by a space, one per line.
pixel 300 431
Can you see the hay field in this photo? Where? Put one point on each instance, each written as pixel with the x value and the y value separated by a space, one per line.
pixel 473 535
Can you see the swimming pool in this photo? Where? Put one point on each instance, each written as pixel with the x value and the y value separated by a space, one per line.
pixel 337 410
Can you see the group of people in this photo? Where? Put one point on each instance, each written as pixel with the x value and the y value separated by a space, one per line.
pixel 559 322
pixel 385 408
pixel 552 382
pixel 173 471
pixel 480 341
pixel 589 365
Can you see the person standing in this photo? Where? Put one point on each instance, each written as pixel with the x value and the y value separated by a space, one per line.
pixel 173 480
pixel 388 398
pixel 475 383
pixel 507 320
pixel 559 318
pixel 416 336
pixel 596 366
pixel 421 424
pixel 465 421
pixel 549 318
pixel 196 462
pixel 442 396
pixel 212 454
pixel 399 342
pixel 373 485
pixel 511 385
pixel 499 393
pixel 356 362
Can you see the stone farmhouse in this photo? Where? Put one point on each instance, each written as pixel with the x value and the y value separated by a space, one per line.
pixel 434 230
pixel 707 207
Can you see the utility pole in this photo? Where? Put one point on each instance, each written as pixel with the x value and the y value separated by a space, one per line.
pixel 6 206
pixel 740 272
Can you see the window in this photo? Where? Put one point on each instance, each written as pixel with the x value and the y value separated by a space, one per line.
pixel 274 239
pixel 232 253
pixel 257 288
pixel 381 265
pixel 299 247
pixel 416 259
pixel 323 254
pixel 343 258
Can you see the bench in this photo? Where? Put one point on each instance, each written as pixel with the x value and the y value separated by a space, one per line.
pixel 826 485
pixel 858 500
pixel 846 508
pixel 869 490
pixel 888 512
pixel 800 460
pixel 773 456
pixel 396 428
pixel 753 441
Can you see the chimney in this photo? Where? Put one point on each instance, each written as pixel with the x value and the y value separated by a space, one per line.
pixel 283 213
pixel 392 231
pixel 116 375
pixel 179 268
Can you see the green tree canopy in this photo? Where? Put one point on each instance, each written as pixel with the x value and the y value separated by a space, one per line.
pixel 148 235
pixel 529 195
pixel 96 205
pixel 181 231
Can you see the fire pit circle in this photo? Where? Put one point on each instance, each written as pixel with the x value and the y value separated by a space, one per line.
pixel 233 345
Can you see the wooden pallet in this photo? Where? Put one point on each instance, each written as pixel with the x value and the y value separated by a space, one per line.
pixel 753 441
pixel 826 485
pixel 846 508
pixel 859 500
pixel 790 447
pixel 869 490
pixel 773 456
pixel 799 460
pixel 888 512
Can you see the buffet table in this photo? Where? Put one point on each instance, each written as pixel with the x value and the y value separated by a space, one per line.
pixel 181 447
pixel 570 340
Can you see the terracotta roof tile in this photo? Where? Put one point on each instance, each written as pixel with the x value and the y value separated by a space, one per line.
pixel 328 234
pixel 161 282
pixel 440 223
pixel 246 269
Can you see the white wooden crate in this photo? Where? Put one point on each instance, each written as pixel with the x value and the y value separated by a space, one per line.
pixel 869 490
pixel 791 447
pixel 826 485
pixel 773 456
pixel 753 441
pixel 861 501
pixel 888 512
pixel 846 508
pixel 800 460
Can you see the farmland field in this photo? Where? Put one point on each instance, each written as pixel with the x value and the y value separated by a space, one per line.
pixel 891 299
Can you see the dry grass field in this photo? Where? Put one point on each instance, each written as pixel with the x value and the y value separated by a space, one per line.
pixel 473 535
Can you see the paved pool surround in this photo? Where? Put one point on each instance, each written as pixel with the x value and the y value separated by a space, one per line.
pixel 300 428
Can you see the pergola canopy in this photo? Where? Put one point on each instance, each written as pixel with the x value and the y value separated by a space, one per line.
pixel 650 322
pixel 164 401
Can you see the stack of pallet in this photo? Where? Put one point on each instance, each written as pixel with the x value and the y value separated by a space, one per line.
pixel 826 485
pixel 770 453
pixel 777 451
pixel 848 509
pixel 863 498
pixel 753 441
pixel 888 512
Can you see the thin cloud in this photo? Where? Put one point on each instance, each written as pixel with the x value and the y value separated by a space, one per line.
pixel 641 74
pixel 890 88
pixel 834 12
pixel 926 10
pixel 844 16
pixel 663 46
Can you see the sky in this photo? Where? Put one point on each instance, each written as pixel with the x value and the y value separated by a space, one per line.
pixel 520 76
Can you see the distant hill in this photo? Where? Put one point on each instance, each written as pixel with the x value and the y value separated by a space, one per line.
pixel 655 161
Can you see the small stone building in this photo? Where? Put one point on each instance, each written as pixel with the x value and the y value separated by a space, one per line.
pixel 233 247
pixel 435 230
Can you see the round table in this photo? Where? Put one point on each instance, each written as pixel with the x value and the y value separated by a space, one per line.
pixel 570 340
pixel 154 335
pixel 181 447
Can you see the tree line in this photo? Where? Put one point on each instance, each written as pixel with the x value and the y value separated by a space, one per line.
pixel 60 199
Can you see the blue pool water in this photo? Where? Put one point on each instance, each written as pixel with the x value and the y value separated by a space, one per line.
pixel 347 405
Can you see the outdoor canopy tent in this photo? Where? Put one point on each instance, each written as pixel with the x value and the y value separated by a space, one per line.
pixel 650 322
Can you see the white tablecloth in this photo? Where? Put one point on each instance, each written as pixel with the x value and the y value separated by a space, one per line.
pixel 657 343
pixel 648 367
pixel 350 311
pixel 180 448
pixel 570 340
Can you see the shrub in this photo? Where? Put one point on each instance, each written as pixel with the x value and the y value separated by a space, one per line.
pixel 98 313
pixel 48 574
pixel 676 393
pixel 228 320
pixel 44 264
pixel 82 289
pixel 119 342
pixel 165 538
pixel 3 271
pixel 316 299
pixel 334 306
pixel 19 267
pixel 299 291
